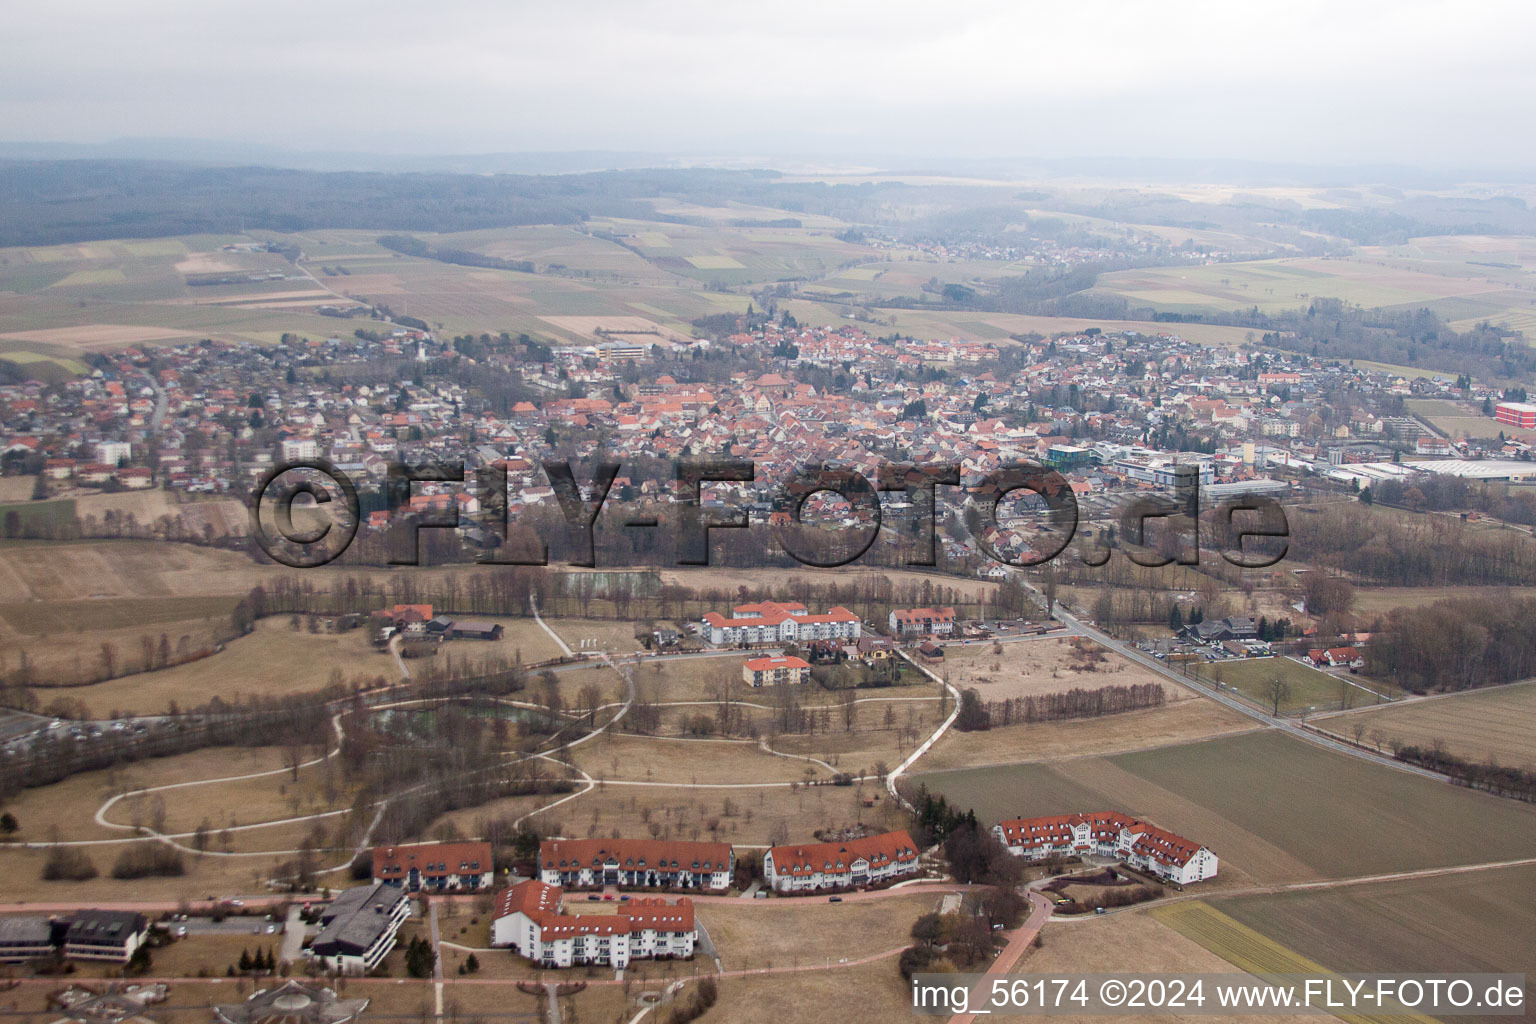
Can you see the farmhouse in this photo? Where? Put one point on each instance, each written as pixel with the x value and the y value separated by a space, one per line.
pixel 771 622
pixel 530 920
pixel 434 866
pixel 872 860
pixel 105 935
pixel 1337 657
pixel 922 621
pixel 1143 845
pixel 358 929
pixel 636 864
pixel 775 671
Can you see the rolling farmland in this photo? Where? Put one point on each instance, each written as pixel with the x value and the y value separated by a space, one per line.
pixel 1492 723
pixel 1272 807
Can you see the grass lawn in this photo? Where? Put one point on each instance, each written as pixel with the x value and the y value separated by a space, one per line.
pixel 867 992
pixel 796 932
pixel 657 759
pixel 748 817
pixel 1309 688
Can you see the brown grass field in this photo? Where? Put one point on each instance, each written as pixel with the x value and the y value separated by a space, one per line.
pixel 755 813
pixel 655 759
pixel 872 991
pixel 1003 671
pixel 21 871
pixel 70 806
pixel 1477 724
pixel 1181 722
pixel 602 634
pixel 1273 808
pixel 273 661
pixel 98 337
pixel 796 932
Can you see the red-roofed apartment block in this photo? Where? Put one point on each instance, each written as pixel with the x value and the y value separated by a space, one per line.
pixel 637 864
pixel 871 860
pixel 1140 844
pixel 786 671
pixel 770 622
pixel 529 919
pixel 435 866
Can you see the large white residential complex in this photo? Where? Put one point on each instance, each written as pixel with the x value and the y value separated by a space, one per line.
pixel 529 919
pixel 1141 844
pixel 871 860
pixel 768 622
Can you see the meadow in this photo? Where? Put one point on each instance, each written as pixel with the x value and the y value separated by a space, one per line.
pixel 1309 688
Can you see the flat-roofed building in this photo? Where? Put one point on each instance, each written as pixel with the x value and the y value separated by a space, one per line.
pixel 105 935
pixel 357 930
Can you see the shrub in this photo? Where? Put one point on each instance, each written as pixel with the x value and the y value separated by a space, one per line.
pixel 143 860
pixel 66 864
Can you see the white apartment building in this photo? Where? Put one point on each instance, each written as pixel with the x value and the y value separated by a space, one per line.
pixel 771 622
pixel 529 919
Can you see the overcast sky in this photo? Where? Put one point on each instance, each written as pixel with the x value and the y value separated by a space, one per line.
pixel 1326 81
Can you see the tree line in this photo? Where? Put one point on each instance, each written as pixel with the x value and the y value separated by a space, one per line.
pixel 1075 703
pixel 1455 644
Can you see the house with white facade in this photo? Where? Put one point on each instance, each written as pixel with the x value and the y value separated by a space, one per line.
pixel 770 622
pixel 112 935
pixel 922 621
pixel 637 864
pixel 854 864
pixel 783 671
pixel 529 918
pixel 1140 844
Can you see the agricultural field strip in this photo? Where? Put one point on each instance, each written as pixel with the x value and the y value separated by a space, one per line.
pixel 1250 950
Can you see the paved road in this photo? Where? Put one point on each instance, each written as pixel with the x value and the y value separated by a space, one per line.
pixel 1018 944
pixel 293 936
pixel 437 955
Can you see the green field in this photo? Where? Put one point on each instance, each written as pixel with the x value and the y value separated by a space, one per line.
pixel 1310 689
pixel 1483 921
pixel 1272 807
pixel 34 516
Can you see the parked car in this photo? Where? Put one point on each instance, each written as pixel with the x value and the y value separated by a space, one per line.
pixel 834 899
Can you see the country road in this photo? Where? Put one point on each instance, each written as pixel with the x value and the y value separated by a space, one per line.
pixel 1282 723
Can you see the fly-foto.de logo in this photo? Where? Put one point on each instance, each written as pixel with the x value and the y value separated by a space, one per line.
pixel 307 513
